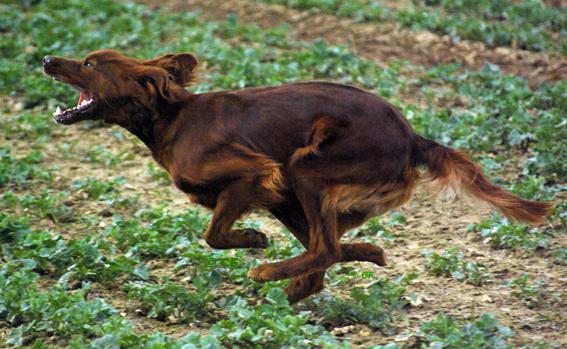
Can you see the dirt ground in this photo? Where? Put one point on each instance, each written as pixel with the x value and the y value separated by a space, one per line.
pixel 381 42
pixel 431 223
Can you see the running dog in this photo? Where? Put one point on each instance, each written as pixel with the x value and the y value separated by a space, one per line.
pixel 323 158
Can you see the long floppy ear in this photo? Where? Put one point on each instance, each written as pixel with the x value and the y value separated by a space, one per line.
pixel 181 66
pixel 156 84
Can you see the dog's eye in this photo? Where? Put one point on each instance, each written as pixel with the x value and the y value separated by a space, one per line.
pixel 88 64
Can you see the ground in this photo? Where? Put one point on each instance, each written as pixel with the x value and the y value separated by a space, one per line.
pixel 430 222
pixel 382 42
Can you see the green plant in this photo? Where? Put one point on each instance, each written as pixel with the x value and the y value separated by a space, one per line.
pixel 28 126
pixel 501 233
pixel 532 293
pixel 446 332
pixel 30 311
pixel 97 189
pixel 375 305
pixel 528 25
pixel 156 231
pixel 214 266
pixel 100 155
pixel 359 10
pixel 452 263
pixel 531 187
pixel 18 172
pixel 158 174
pixel 272 324
pixel 560 256
pixel 47 205
pixel 373 227
pixel 81 259
pixel 12 227
pixel 169 301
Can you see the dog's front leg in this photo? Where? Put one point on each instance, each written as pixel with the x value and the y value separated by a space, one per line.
pixel 232 203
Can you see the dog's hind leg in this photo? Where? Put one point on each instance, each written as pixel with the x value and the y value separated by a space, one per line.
pixel 304 286
pixel 323 249
pixel 290 213
pixel 232 203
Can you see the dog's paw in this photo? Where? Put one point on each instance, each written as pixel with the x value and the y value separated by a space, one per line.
pixel 265 272
pixel 251 238
pixel 379 259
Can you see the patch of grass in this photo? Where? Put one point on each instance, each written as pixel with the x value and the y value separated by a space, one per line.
pixel 81 259
pixel 98 189
pixel 446 332
pixel 376 305
pixel 533 293
pixel 214 266
pixel 48 205
pixel 168 301
pixel 100 155
pixel 18 172
pixel 484 332
pixel 284 248
pixel 501 233
pixel 158 174
pixel 156 231
pixel 452 263
pixel 560 256
pixel 359 10
pixel 528 25
pixel 272 324
pixel 373 227
pixel 13 227
pixel 56 311
pixel 499 110
pixel 27 127
pixel 492 33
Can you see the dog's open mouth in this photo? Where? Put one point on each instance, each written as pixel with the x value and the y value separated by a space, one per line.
pixel 82 111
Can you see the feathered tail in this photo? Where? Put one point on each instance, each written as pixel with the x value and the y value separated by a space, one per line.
pixel 452 170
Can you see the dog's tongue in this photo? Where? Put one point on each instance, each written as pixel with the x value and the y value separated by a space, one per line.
pixel 82 97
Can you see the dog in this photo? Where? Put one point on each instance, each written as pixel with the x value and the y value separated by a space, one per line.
pixel 323 158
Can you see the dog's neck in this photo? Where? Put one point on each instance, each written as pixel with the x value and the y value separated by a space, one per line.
pixel 150 127
pixel 141 125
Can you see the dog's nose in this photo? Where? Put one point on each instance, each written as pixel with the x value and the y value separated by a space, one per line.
pixel 47 60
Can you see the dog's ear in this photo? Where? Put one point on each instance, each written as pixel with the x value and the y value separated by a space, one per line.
pixel 181 66
pixel 153 84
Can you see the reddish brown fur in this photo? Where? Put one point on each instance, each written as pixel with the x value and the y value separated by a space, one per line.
pixel 322 157
pixel 451 170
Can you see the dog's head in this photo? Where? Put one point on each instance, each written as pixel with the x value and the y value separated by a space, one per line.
pixel 113 87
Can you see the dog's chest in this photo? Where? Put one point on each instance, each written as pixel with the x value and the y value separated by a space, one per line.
pixel 205 195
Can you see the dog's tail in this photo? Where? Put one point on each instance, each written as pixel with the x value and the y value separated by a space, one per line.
pixel 451 170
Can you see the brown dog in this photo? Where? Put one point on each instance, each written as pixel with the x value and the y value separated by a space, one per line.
pixel 322 157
